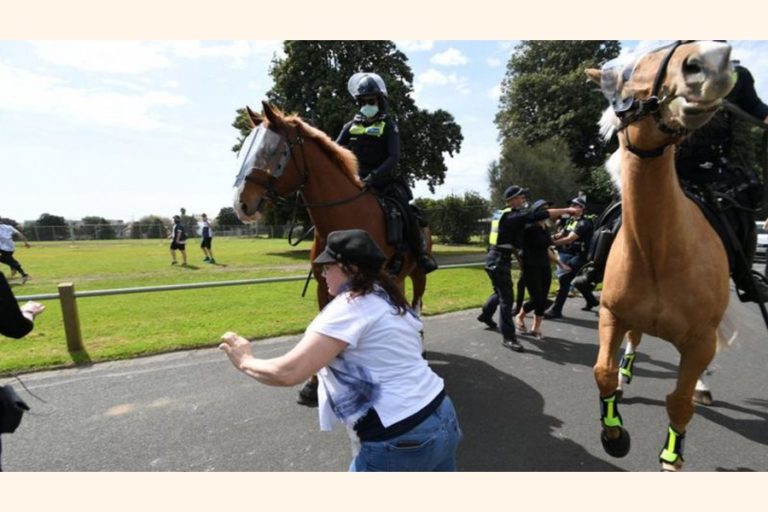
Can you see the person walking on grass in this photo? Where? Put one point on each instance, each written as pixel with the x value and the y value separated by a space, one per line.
pixel 205 244
pixel 178 241
pixel 7 248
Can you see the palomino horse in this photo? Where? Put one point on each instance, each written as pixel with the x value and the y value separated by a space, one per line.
pixel 285 155
pixel 667 272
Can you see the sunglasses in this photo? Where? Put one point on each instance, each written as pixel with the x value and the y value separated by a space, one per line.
pixel 367 101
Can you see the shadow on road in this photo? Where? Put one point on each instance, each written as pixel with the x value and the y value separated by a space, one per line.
pixel 503 422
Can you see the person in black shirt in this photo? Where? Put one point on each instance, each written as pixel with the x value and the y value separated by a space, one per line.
pixel 711 162
pixel 15 322
pixel 374 138
pixel 506 236
pixel 572 243
pixel 537 258
pixel 178 241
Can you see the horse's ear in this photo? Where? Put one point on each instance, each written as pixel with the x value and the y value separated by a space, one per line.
pixel 594 75
pixel 253 117
pixel 270 113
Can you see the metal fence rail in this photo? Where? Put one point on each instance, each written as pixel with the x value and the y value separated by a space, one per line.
pixel 67 296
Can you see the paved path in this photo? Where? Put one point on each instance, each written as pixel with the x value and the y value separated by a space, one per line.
pixel 536 411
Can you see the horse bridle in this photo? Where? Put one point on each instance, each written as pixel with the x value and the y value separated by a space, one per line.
pixel 640 109
pixel 274 197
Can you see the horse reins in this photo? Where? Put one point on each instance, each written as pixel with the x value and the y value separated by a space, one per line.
pixel 652 106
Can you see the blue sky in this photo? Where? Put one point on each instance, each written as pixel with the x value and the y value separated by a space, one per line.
pixel 124 129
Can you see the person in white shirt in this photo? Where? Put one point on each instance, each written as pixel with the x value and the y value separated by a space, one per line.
pixel 365 346
pixel 7 248
pixel 207 235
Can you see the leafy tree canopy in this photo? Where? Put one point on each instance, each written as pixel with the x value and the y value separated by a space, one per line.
pixel 311 81
pixel 545 94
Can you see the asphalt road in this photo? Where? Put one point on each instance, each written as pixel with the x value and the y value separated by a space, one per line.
pixel 535 411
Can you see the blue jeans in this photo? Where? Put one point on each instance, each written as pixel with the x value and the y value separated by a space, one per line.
pixel 430 446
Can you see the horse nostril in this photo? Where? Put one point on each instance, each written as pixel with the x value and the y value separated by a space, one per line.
pixel 692 66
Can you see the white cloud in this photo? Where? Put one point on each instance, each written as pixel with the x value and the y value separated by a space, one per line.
pixel 450 57
pixel 415 46
pixel 22 90
pixel 435 78
pixel 123 57
pixel 493 62
pixel 495 92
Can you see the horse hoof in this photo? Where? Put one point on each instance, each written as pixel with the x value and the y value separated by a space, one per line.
pixel 618 447
pixel 666 467
pixel 702 397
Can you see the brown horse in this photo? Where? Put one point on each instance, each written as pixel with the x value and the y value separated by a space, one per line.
pixel 287 155
pixel 667 272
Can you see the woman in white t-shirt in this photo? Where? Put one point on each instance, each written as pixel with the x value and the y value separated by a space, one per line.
pixel 365 346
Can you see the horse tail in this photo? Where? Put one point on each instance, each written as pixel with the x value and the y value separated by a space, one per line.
pixel 727 331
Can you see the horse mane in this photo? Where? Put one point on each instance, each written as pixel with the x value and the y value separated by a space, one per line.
pixel 609 123
pixel 343 157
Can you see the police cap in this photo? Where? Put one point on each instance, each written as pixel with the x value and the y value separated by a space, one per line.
pixel 514 191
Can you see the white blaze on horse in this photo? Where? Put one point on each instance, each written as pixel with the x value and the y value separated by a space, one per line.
pixel 283 155
pixel 667 273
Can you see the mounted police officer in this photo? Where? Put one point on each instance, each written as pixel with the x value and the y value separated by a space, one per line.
pixel 572 243
pixel 375 140
pixel 712 169
pixel 709 163
pixel 505 239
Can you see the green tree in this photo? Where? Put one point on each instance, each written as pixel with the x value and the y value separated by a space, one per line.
pixel 51 227
pixel 96 228
pixel 228 217
pixel 189 223
pixel 545 95
pixel 454 219
pixel 544 168
pixel 312 81
pixel 150 226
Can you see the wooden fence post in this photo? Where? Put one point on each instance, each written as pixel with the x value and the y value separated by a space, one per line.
pixel 71 318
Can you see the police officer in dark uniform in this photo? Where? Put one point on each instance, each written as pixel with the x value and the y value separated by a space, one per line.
pixel 507 228
pixel 375 140
pixel 572 243
pixel 708 161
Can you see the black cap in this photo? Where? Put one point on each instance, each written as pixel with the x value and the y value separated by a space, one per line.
pixel 541 203
pixel 514 191
pixel 176 217
pixel 352 247
pixel 579 201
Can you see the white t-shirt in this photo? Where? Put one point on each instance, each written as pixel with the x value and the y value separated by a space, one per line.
pixel 6 238
pixel 382 367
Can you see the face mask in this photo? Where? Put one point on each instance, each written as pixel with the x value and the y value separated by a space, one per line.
pixel 369 110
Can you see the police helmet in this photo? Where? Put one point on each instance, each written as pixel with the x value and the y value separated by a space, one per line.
pixel 541 204
pixel 366 84
pixel 579 201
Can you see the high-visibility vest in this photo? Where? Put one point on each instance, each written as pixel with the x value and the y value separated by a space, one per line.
pixel 372 130
pixel 493 238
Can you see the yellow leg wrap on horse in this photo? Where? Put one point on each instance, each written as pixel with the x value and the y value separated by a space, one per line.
pixel 673 447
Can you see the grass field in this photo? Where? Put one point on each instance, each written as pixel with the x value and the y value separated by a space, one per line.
pixel 123 326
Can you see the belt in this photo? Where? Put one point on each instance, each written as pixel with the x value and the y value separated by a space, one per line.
pixel 370 428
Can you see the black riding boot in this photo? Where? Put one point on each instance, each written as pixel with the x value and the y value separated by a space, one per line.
pixel 419 245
